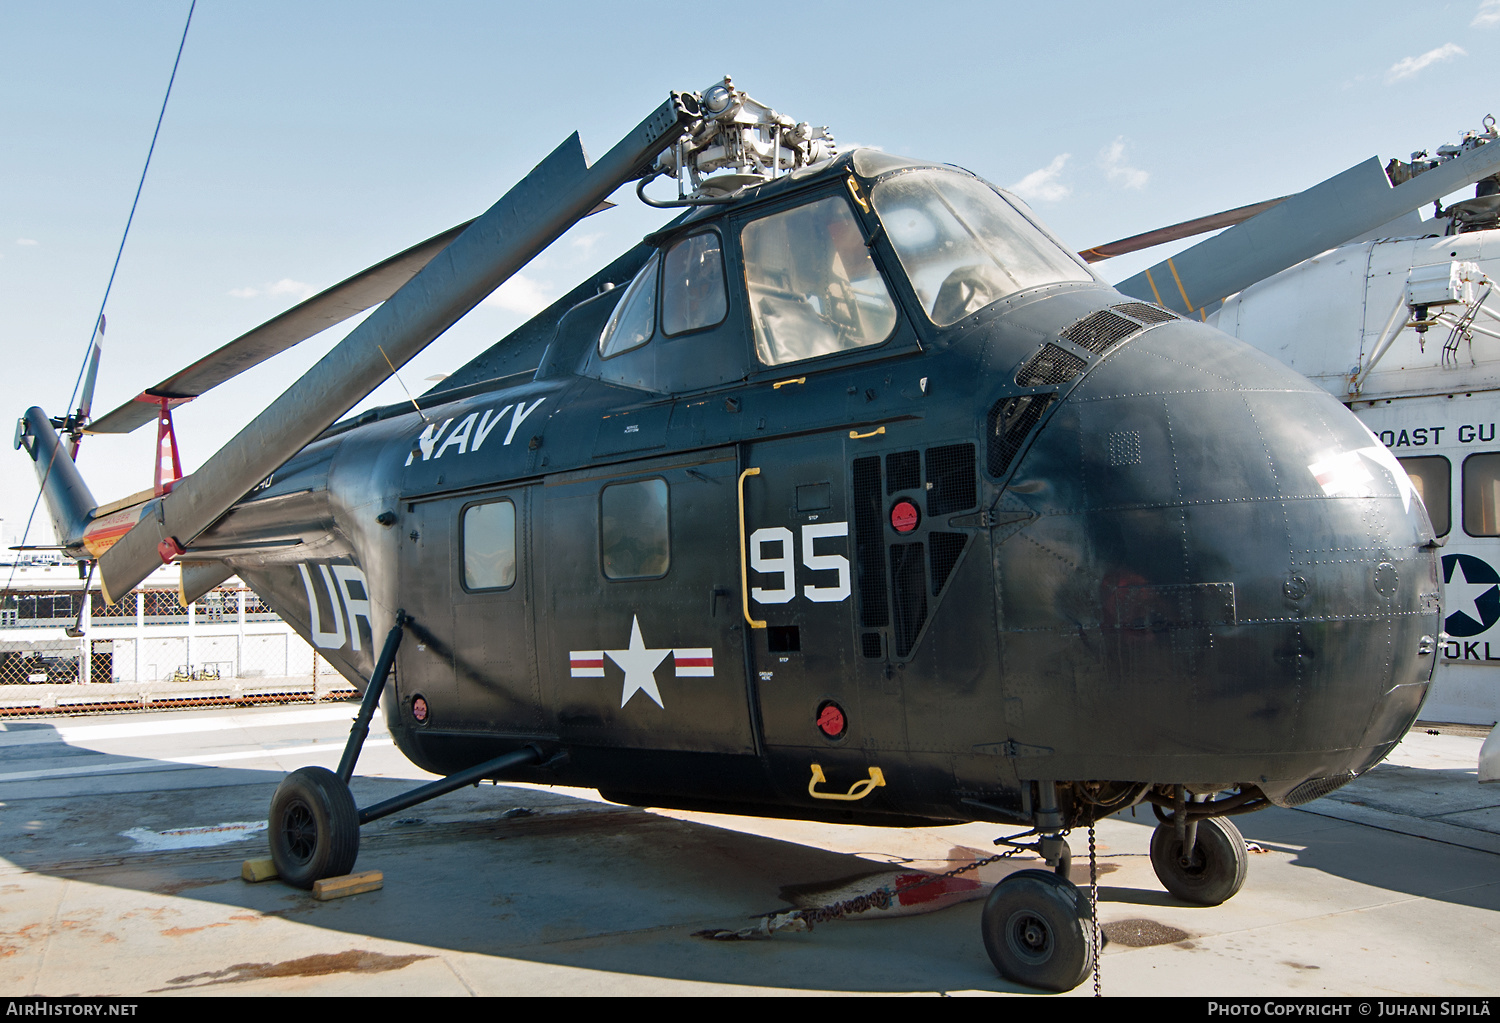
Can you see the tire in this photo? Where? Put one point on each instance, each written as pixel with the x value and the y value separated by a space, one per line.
pixel 1038 932
pixel 1220 862
pixel 314 827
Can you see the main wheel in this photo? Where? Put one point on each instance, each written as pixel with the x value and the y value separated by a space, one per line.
pixel 1037 931
pixel 314 827
pixel 1216 870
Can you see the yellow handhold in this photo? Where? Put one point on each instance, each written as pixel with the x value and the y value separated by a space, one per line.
pixel 860 790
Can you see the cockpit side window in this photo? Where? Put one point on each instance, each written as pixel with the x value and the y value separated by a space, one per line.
pixel 962 245
pixel 813 288
pixel 634 319
pixel 692 285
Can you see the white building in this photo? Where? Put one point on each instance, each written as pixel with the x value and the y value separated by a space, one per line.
pixel 147 648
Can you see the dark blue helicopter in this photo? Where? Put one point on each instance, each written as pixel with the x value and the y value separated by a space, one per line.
pixel 849 495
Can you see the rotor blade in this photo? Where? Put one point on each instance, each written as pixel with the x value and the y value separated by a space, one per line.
pixel 297 324
pixel 86 403
pixel 559 192
pixel 1345 206
pixel 1176 232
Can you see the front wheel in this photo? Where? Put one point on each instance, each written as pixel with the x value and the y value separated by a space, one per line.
pixel 1215 871
pixel 1038 931
pixel 314 827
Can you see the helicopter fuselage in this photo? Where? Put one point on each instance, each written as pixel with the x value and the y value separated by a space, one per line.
pixel 1066 537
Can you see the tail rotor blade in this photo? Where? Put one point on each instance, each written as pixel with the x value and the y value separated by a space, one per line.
pixel 80 418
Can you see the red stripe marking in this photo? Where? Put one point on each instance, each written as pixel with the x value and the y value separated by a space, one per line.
pixel 695 662
pixel 933 891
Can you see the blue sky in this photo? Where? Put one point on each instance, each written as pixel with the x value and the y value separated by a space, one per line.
pixel 305 141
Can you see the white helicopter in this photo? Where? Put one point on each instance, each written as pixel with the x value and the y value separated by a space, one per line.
pixel 1397 317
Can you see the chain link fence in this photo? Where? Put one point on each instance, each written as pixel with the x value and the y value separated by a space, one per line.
pixel 229 647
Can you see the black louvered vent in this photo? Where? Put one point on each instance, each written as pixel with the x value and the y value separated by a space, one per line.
pixel 1011 422
pixel 1147 313
pixel 869 548
pixel 909 589
pixel 1101 331
pixel 951 486
pixel 1051 365
pixel 946 549
pixel 903 471
pixel 869 643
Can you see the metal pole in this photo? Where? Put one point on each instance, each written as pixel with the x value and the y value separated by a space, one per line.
pixel 361 726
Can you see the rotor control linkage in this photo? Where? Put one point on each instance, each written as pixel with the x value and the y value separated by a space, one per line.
pixel 361 726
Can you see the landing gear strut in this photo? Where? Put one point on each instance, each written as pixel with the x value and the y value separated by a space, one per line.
pixel 314 822
pixel 1038 925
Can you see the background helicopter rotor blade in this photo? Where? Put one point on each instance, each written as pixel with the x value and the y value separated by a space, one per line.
pixel 1330 213
pixel 297 324
pixel 1176 232
pixel 328 307
pixel 558 192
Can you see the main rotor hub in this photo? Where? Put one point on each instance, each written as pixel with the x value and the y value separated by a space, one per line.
pixel 740 142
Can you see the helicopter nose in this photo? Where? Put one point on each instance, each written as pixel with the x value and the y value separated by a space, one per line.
pixel 1221 565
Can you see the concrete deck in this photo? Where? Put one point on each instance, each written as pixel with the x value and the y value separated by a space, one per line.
pixel 1390 886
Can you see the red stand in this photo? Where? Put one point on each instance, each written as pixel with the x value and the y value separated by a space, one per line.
pixel 166 439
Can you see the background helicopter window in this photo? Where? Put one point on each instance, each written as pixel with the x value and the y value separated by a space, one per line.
pixel 962 245
pixel 1482 495
pixel 489 545
pixel 1433 478
pixel 692 285
pixel 631 323
pixel 814 289
pixel 633 530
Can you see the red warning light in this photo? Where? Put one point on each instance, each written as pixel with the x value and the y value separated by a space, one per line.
pixel 831 720
pixel 904 517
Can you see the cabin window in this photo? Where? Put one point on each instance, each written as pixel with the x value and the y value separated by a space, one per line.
pixel 692 285
pixel 1482 495
pixel 489 532
pixel 962 245
pixel 634 319
pixel 814 290
pixel 1433 477
pixel 633 530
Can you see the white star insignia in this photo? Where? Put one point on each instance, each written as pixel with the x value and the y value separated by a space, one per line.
pixel 639 664
pixel 1461 596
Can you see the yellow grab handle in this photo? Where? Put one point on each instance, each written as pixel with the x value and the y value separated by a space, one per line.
pixel 860 790
pixel 854 191
pixel 778 385
pixel 744 568
pixel 856 435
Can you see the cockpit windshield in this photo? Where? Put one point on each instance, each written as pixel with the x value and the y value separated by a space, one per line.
pixel 962 245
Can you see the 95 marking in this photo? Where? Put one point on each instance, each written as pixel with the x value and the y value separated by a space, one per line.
pixel 783 563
